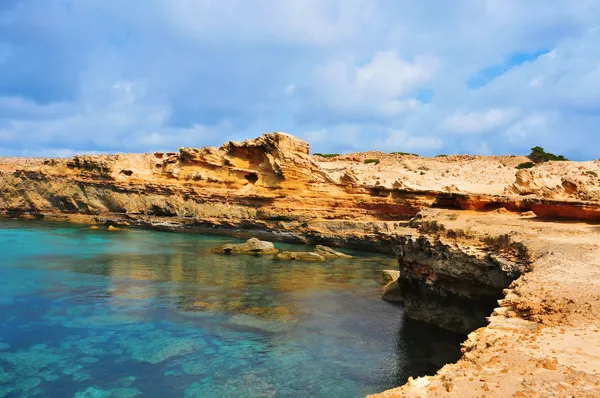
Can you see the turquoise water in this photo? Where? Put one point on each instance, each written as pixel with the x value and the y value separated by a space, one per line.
pixel 89 313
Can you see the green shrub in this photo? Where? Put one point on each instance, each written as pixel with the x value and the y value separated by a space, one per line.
pixel 367 161
pixel 539 155
pixel 327 155
pixel 441 156
pixel 526 165
pixel 403 153
pixel 592 173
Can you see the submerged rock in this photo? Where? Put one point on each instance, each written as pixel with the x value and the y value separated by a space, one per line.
pixel 252 246
pixel 301 256
pixel 328 252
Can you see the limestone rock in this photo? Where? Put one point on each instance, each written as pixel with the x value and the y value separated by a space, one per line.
pixel 328 252
pixel 391 291
pixel 390 275
pixel 300 256
pixel 252 246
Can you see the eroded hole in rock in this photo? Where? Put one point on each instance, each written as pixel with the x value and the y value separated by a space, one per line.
pixel 126 172
pixel 252 178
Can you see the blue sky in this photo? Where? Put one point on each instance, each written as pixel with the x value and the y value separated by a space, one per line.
pixel 461 76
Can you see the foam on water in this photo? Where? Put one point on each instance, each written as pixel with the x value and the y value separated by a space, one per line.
pixel 91 313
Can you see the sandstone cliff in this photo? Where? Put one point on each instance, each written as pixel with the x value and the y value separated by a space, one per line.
pixel 273 179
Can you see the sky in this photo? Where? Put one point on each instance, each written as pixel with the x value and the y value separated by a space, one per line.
pixel 431 77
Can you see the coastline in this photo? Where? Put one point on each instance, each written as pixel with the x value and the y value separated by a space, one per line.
pixel 484 241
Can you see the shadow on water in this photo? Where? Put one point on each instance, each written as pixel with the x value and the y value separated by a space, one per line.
pixel 425 349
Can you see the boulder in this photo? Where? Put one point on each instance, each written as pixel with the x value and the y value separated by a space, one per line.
pixel 328 252
pixel 391 291
pixel 301 256
pixel 252 246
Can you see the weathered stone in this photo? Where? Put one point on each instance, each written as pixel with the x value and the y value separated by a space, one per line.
pixel 328 252
pixel 300 256
pixel 391 291
pixel 390 275
pixel 252 246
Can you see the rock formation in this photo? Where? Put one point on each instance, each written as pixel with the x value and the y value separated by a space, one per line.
pixel 300 256
pixel 252 246
pixel 391 290
pixel 467 230
pixel 328 252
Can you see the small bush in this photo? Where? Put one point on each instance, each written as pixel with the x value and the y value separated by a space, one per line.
pixel 375 161
pixel 539 155
pixel 403 153
pixel 327 155
pixel 592 173
pixel 526 165
pixel 441 156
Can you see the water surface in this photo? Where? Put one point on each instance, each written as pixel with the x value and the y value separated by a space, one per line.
pixel 89 313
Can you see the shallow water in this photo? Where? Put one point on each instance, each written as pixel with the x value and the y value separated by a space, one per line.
pixel 90 313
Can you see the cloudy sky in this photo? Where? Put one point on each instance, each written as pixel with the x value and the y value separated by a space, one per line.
pixel 436 76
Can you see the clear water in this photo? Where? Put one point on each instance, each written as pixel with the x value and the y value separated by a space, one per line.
pixel 138 313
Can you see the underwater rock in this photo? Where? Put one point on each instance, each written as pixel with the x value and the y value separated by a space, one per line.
pixel 301 256
pixel 252 246
pixel 328 252
pixel 94 392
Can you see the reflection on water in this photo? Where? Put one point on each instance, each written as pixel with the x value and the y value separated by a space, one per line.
pixel 130 313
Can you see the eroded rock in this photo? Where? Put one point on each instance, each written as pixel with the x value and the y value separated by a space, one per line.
pixel 252 246
pixel 300 256
pixel 328 252
pixel 391 291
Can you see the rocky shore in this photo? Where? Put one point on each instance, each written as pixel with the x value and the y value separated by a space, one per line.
pixel 465 229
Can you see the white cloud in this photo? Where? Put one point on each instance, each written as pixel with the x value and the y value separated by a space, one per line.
pixel 298 22
pixel 381 88
pixel 402 141
pixel 479 122
pixel 525 127
pixel 352 75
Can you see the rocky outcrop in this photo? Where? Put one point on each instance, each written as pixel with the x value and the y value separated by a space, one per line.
pixel 450 285
pixel 559 180
pixel 539 341
pixel 300 256
pixel 391 290
pixel 252 246
pixel 328 252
